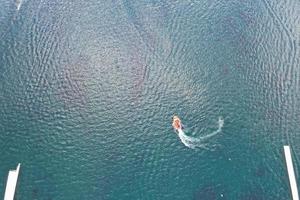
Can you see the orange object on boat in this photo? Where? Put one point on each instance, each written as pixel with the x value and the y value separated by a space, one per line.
pixel 176 123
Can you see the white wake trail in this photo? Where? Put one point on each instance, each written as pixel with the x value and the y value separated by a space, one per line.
pixel 18 4
pixel 193 142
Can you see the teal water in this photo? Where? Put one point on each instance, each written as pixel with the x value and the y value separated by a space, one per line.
pixel 88 90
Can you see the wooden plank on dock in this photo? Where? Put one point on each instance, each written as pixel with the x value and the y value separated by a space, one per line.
pixel 291 173
pixel 11 184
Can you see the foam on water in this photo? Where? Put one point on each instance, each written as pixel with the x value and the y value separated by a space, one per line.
pixel 193 142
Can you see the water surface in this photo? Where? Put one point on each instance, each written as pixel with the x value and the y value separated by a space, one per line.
pixel 88 90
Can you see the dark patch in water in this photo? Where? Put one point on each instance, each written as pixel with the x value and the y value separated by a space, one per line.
pixel 260 171
pixel 72 87
pixel 104 185
pixel 34 193
pixel 225 69
pixel 207 193
pixel 138 70
pixel 252 194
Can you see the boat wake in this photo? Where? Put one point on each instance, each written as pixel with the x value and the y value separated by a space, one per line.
pixel 193 142
pixel 18 4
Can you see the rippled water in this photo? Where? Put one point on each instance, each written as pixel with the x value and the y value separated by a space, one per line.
pixel 88 90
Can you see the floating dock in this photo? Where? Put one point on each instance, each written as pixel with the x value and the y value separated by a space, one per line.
pixel 291 173
pixel 11 184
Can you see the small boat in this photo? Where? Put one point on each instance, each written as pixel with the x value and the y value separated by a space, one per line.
pixel 176 123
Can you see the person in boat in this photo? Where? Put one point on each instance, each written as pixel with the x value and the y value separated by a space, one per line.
pixel 176 123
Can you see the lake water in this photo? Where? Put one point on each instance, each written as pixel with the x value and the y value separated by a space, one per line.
pixel 88 90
